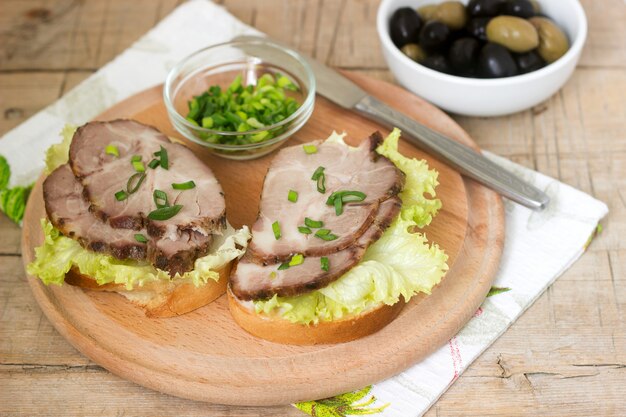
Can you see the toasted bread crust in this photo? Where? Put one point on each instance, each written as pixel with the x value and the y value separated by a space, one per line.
pixel 165 299
pixel 282 331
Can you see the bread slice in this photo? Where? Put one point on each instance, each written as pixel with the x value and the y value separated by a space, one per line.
pixel 160 298
pixel 279 330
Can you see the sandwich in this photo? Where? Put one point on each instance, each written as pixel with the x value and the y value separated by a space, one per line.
pixel 336 250
pixel 131 212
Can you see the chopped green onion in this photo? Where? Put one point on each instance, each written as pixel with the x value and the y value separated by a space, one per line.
pixel 339 198
pixel 160 199
pixel 324 263
pixel 163 159
pixel 112 150
pixel 321 184
pixel 304 230
pixel 138 165
pixel 319 176
pixel 309 149
pixel 164 213
pixel 141 238
pixel 242 108
pixel 276 229
pixel 121 195
pixel 313 223
pixel 134 182
pixel 154 163
pixel 325 235
pixel 135 158
pixel 292 196
pixel 318 173
pixel 184 185
pixel 273 275
pixel 283 266
pixel 338 206
pixel 296 259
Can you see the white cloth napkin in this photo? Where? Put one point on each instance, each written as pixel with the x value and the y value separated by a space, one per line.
pixel 538 248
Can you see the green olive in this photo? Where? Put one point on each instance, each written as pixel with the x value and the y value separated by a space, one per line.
pixel 414 51
pixel 552 41
pixel 536 6
pixel 451 14
pixel 514 33
pixel 427 12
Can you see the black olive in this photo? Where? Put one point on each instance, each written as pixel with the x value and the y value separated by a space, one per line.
pixel 437 62
pixel 405 26
pixel 495 61
pixel 434 35
pixel 477 27
pixel 476 8
pixel 528 62
pixel 463 55
pixel 519 8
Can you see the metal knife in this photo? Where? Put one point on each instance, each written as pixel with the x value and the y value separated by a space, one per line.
pixel 466 160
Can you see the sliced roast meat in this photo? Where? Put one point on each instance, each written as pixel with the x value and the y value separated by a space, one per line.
pixel 346 168
pixel 253 280
pixel 179 255
pixel 103 175
pixel 69 212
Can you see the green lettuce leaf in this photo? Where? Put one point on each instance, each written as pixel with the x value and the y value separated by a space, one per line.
pixel 58 154
pixel 59 254
pixel 5 173
pixel 400 264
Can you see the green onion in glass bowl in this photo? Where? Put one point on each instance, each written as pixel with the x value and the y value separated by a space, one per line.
pixel 241 99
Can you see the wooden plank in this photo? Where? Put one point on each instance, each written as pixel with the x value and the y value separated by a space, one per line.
pixel 577 135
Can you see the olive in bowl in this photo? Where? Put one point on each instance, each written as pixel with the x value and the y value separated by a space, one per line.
pixel 463 85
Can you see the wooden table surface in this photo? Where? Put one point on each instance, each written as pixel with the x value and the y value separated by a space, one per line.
pixel 565 356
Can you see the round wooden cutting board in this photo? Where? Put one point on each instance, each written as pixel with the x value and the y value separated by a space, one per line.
pixel 204 356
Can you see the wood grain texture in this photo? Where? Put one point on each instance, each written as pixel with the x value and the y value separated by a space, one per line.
pixel 205 356
pixel 577 136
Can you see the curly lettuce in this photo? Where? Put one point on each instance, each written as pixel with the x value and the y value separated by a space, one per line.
pixel 58 254
pixel 58 154
pixel 401 263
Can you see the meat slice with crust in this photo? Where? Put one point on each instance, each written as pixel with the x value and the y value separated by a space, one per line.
pixel 345 168
pixel 252 280
pixel 102 175
pixel 69 213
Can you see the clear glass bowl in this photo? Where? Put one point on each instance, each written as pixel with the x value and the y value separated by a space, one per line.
pixel 220 65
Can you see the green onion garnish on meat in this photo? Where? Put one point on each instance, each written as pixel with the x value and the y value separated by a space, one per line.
pixel 138 165
pixel 309 149
pixel 296 259
pixel 121 195
pixel 292 196
pixel 112 150
pixel 320 177
pixel 165 213
pixel 160 199
pixel 184 185
pixel 304 230
pixel 324 263
pixel 283 266
pixel 339 198
pixel 313 223
pixel 325 234
pixel 141 238
pixel 276 229
pixel 163 159
pixel 154 163
pixel 134 182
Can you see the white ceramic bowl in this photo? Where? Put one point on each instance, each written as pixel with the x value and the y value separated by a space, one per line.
pixel 486 97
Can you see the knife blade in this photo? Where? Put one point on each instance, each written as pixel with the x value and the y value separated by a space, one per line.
pixel 340 90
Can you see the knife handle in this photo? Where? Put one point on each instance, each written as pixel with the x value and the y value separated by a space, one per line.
pixel 462 157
